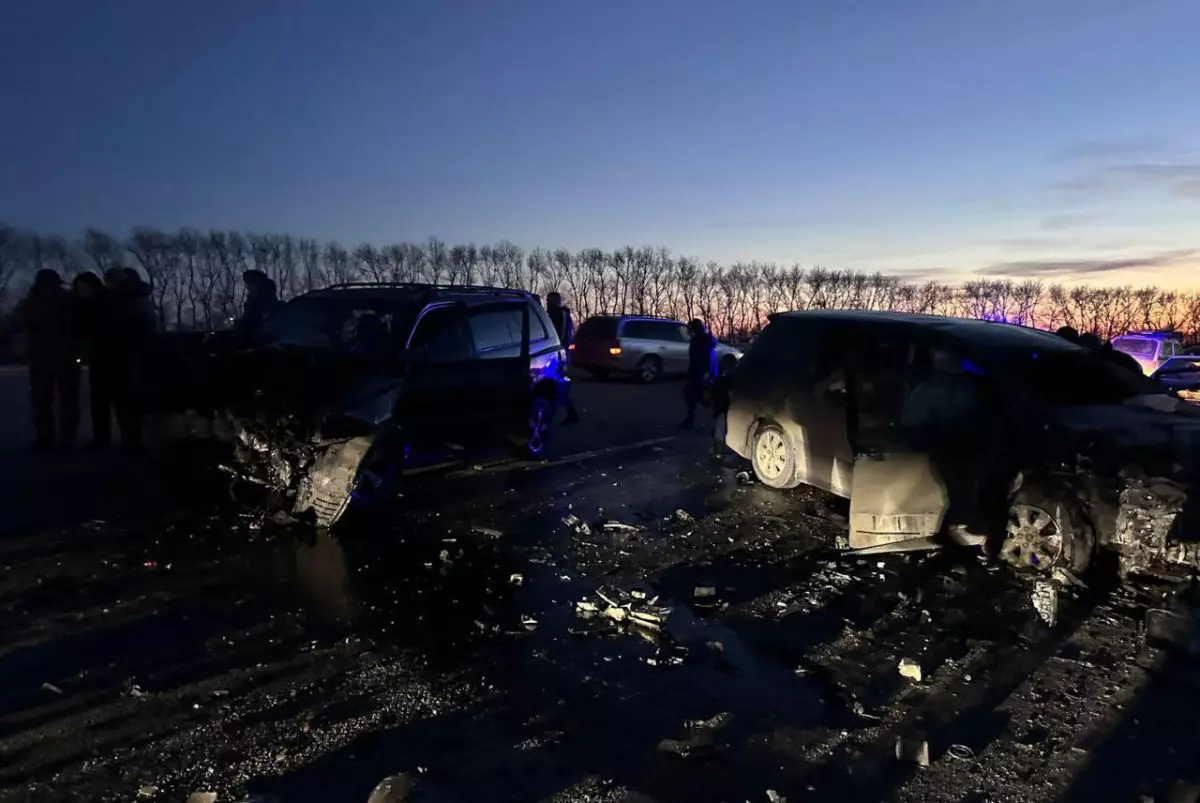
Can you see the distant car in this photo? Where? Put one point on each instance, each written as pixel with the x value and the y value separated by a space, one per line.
pixel 324 405
pixel 1182 375
pixel 949 430
pixel 1150 349
pixel 638 346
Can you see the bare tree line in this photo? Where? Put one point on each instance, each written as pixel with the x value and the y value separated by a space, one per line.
pixel 195 278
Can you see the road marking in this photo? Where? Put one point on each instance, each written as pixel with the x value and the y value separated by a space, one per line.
pixel 514 464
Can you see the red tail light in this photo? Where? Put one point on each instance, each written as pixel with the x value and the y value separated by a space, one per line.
pixel 614 350
pixel 571 347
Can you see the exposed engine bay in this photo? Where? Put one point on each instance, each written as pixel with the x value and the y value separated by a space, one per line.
pixel 300 424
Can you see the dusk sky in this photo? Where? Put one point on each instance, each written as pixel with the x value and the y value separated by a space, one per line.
pixel 1057 139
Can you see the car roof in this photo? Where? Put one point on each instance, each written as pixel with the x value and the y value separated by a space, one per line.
pixel 415 292
pixel 616 316
pixel 975 331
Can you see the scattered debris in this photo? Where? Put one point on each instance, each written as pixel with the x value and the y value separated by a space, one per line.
pixel 616 525
pixel 960 752
pixel 712 723
pixel 202 797
pixel 775 797
pixel 683 517
pixel 577 524
pixel 1170 628
pixel 148 791
pixel 1045 601
pixel 516 579
pixel 744 478
pixel 488 531
pixel 394 789
pixel 637 606
pixel 912 750
pixel 704 592
pixel 910 669
pixel 52 687
pixel 529 623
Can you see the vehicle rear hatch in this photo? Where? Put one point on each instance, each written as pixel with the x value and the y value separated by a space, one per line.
pixel 595 340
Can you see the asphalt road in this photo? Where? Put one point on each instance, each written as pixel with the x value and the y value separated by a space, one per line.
pixel 159 641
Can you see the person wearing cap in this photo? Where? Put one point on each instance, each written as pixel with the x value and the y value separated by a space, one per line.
pixel 45 316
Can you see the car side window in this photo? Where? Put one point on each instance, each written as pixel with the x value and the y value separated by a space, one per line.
pixel 442 336
pixel 637 329
pixel 497 331
pixel 537 329
pixel 672 332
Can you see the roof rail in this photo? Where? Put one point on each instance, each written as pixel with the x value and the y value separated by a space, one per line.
pixel 455 288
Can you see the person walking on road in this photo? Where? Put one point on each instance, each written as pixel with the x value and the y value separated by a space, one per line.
pixel 45 316
pixel 94 333
pixel 560 316
pixel 702 357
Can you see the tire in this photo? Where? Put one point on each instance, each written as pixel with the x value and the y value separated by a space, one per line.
pixel 773 457
pixel 728 364
pixel 649 369
pixel 1045 530
pixel 532 442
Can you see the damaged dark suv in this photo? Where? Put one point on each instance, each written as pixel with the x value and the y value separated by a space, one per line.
pixel 943 429
pixel 341 386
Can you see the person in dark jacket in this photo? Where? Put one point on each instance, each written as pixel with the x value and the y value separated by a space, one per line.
pixel 94 334
pixel 560 316
pixel 131 323
pixel 702 355
pixel 261 298
pixel 45 316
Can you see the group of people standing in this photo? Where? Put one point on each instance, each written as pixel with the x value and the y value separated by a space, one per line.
pixel 107 324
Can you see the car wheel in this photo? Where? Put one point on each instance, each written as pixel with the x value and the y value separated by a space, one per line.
pixel 728 364
pixel 773 457
pixel 1045 531
pixel 537 426
pixel 649 368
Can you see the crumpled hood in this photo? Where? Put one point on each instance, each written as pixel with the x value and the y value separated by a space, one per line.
pixel 1170 441
pixel 298 379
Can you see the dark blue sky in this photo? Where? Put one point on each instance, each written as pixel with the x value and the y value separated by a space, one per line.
pixel 1039 137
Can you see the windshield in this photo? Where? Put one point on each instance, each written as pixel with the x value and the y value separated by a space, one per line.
pixel 1136 346
pixel 367 325
pixel 1072 377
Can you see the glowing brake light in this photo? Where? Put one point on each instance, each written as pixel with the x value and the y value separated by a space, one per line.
pixel 614 350
pixel 571 347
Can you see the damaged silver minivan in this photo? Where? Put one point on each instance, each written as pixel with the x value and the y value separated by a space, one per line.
pixel 951 430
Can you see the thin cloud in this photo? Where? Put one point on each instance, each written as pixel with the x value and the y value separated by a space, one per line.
pixel 1109 149
pixel 765 223
pixel 1037 243
pixel 1051 268
pixel 1069 220
pixel 1181 179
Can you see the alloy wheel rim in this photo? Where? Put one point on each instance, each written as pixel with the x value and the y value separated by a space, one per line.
pixel 771 454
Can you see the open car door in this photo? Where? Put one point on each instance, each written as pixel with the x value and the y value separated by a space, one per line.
pixel 467 372
pixel 915 409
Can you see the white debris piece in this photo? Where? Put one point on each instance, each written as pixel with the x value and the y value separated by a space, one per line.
pixel 1045 601
pixel 202 797
pixel 912 750
pixel 701 592
pixel 910 669
pixel 775 797
pixel 52 687
pixel 516 579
